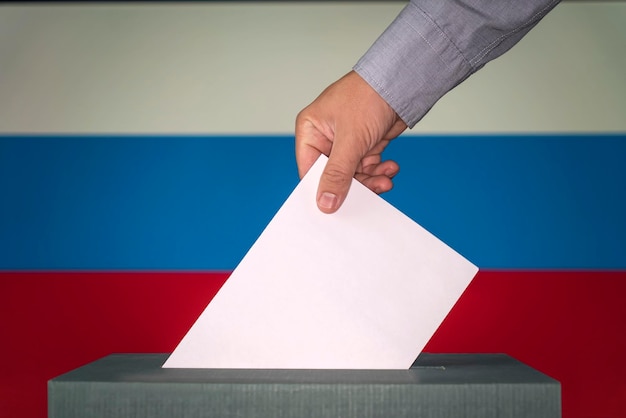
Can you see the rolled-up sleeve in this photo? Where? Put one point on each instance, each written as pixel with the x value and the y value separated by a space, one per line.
pixel 433 45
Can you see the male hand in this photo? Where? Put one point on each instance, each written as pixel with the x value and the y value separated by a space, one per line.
pixel 351 124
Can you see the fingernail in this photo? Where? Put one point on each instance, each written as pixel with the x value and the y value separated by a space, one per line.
pixel 327 201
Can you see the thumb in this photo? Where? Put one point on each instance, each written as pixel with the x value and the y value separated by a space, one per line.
pixel 336 179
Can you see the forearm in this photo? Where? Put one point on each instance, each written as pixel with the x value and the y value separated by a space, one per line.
pixel 433 45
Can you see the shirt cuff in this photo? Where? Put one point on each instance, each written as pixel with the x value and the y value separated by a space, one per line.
pixel 413 64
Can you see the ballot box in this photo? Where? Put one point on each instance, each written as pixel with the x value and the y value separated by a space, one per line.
pixel 437 386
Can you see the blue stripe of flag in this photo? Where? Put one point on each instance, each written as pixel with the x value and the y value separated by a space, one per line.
pixel 199 202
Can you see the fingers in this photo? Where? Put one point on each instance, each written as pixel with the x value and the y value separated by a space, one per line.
pixel 337 176
pixel 379 177
pixel 387 168
pixel 378 184
pixel 344 164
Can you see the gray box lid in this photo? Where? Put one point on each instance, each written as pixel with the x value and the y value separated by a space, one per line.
pixel 436 386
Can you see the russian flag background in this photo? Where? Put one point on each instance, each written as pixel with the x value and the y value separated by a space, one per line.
pixel 143 149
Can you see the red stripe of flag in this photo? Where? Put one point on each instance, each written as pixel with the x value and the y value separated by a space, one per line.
pixel 567 324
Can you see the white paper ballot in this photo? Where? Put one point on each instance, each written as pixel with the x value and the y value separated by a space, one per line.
pixel 363 288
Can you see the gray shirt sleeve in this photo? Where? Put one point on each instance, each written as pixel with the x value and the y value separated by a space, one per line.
pixel 433 45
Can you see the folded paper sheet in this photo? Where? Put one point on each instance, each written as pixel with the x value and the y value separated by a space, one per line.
pixel 364 288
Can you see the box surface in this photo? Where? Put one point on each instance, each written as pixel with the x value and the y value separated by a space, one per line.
pixel 437 386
